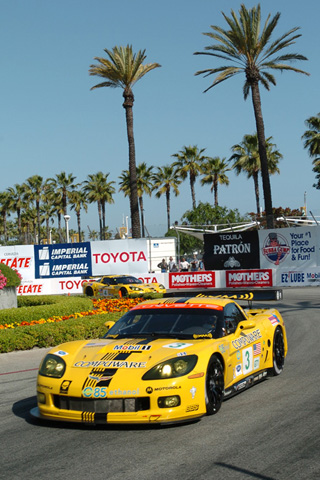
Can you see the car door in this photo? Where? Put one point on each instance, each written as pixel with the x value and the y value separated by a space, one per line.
pixel 241 354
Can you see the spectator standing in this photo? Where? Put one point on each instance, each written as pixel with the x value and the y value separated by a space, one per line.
pixel 163 265
pixel 172 265
pixel 194 264
pixel 184 265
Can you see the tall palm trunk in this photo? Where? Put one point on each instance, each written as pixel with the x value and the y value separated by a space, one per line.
pixel 79 225
pixel 215 189
pixel 168 208
pixel 256 100
pixel 142 217
pixel 256 191
pixel 38 219
pixel 103 207
pixel 193 195
pixel 100 219
pixel 134 203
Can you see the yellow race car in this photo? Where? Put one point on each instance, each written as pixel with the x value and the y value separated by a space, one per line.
pixel 119 286
pixel 166 360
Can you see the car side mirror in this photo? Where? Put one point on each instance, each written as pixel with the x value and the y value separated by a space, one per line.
pixel 245 325
pixel 109 324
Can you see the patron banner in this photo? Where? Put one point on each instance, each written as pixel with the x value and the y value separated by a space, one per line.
pixel 226 251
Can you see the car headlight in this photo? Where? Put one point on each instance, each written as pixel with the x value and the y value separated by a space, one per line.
pixel 136 289
pixel 175 367
pixel 52 366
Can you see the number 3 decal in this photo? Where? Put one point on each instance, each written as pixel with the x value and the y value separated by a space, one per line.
pixel 247 360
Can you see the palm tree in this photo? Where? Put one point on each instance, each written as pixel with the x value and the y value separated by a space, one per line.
pixel 144 185
pixel 34 191
pixel 5 201
pixel 214 172
pixel 17 203
pixel 61 187
pixel 123 69
pixel 164 181
pixel 29 224
pixel 63 184
pixel 250 50
pixel 190 160
pixel 246 159
pixel 311 139
pixel 47 211
pixel 98 189
pixel 78 200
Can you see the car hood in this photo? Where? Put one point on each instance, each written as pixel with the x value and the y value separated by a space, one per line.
pixel 124 354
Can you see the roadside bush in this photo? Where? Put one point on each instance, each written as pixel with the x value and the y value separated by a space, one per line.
pixel 49 335
pixel 13 278
pixel 35 308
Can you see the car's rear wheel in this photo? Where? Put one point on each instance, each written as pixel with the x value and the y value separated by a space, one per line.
pixel 278 352
pixel 89 291
pixel 214 385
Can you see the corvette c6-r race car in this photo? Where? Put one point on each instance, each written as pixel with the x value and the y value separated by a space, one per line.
pixel 120 285
pixel 166 360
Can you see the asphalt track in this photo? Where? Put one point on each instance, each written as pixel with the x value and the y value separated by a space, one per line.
pixel 269 432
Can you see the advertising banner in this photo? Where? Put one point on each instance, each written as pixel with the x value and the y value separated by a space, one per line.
pixel 226 251
pixel 51 286
pixel 290 248
pixel 20 258
pixel 121 257
pixel 308 277
pixel 192 280
pixel 249 278
pixel 62 260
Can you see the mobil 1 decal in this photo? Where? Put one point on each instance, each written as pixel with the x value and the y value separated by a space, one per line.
pixel 62 260
pixel 233 250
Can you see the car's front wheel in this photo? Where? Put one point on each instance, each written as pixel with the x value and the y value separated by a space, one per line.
pixel 278 352
pixel 123 293
pixel 89 291
pixel 214 385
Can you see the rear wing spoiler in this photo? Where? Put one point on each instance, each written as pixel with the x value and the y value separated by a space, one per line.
pixel 253 294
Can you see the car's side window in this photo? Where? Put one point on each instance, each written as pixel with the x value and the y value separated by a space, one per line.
pixel 232 316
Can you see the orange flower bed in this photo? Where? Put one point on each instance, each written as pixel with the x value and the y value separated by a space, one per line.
pixel 101 306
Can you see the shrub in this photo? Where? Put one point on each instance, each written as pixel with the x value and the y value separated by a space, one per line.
pixel 49 335
pixel 48 306
pixel 13 277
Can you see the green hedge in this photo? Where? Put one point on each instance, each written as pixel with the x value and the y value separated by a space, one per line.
pixel 35 308
pixel 13 279
pixel 51 334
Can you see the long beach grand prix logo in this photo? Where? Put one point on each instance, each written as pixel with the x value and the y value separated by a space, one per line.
pixel 275 248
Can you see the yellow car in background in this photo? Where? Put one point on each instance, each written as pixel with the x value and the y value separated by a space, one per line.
pixel 119 286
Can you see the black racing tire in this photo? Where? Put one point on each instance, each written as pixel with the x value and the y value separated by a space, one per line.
pixel 123 293
pixel 214 385
pixel 278 352
pixel 89 291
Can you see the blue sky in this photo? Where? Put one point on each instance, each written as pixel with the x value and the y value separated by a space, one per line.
pixel 51 121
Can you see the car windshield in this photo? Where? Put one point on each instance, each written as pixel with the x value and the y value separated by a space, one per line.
pixel 126 280
pixel 171 323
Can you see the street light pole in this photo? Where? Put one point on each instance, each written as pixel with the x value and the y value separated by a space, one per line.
pixel 67 218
